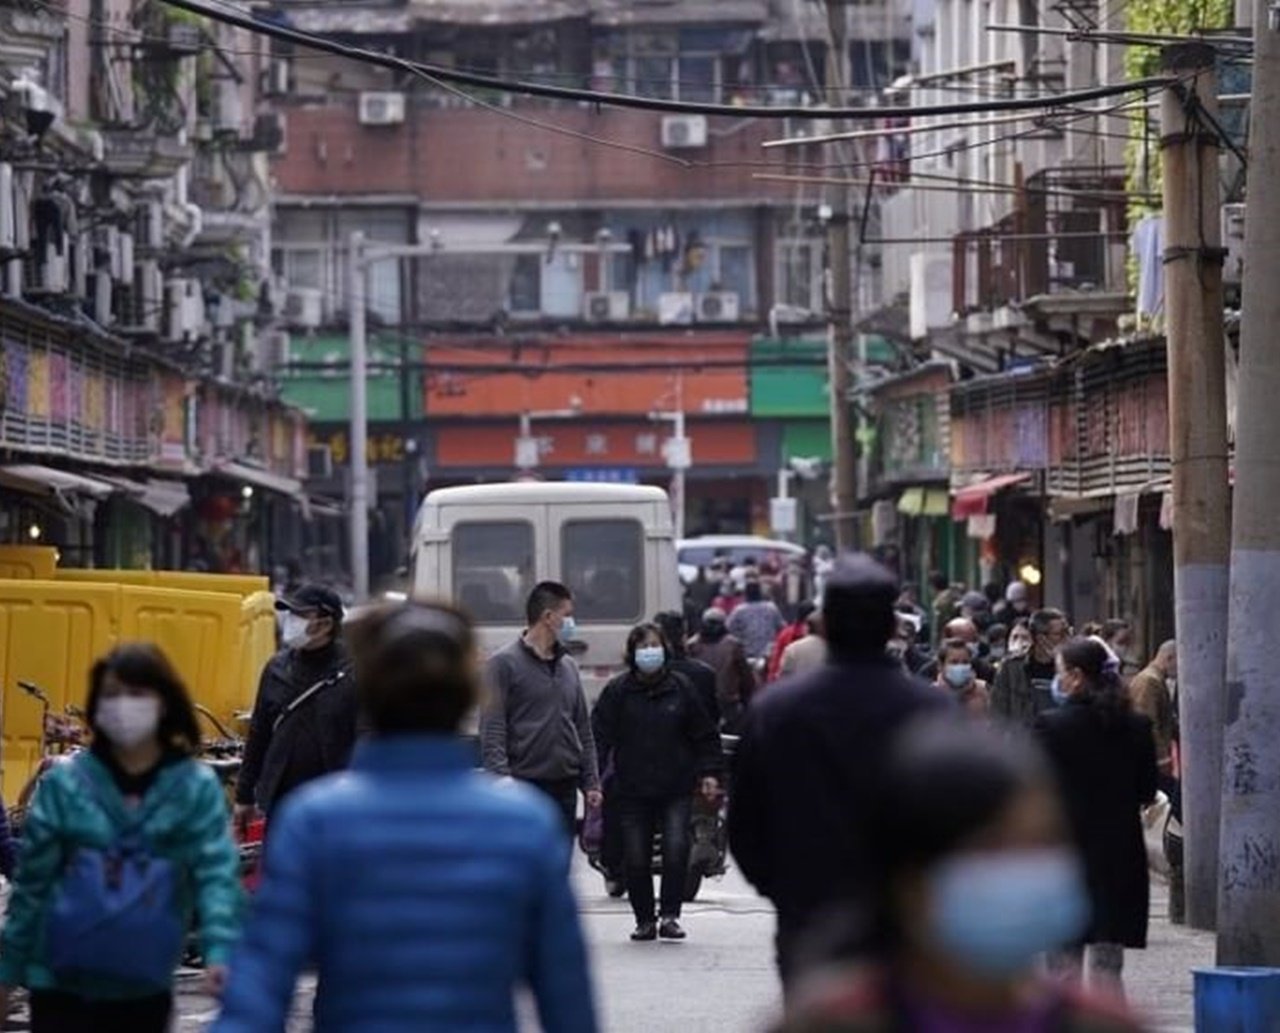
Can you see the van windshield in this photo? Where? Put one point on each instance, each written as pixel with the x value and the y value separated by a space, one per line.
pixel 603 566
pixel 493 569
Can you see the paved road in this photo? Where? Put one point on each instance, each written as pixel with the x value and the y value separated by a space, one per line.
pixel 720 979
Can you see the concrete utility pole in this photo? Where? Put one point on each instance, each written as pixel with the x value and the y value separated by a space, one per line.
pixel 1249 901
pixel 359 498
pixel 1198 432
pixel 844 491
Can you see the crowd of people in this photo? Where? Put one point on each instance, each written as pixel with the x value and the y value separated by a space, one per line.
pixel 943 807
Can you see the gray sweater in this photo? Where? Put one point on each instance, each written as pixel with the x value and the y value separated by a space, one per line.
pixel 536 726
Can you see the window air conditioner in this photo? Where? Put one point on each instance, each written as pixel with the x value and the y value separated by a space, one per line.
pixel 684 132
pixel 381 109
pixel 606 306
pixel 718 307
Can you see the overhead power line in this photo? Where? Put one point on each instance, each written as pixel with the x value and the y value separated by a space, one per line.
pixel 621 100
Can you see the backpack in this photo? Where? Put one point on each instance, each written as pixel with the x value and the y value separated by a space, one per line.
pixel 115 911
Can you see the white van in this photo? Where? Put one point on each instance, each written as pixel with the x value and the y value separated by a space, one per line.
pixel 486 546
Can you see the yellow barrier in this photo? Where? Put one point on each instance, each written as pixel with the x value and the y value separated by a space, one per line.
pixel 52 631
pixel 28 561
pixel 50 635
pixel 235 584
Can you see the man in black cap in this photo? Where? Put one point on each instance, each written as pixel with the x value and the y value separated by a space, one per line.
pixel 808 771
pixel 304 719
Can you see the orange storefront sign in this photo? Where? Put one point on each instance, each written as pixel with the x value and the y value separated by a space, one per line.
pixel 594 444
pixel 702 373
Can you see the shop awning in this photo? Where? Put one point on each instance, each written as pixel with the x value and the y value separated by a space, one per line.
pixel 972 500
pixel 927 502
pixel 257 477
pixel 45 480
pixel 163 498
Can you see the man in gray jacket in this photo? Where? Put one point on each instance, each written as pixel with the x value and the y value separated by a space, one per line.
pixel 536 727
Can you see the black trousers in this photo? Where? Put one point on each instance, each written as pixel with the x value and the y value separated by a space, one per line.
pixel 54 1012
pixel 639 820
pixel 563 793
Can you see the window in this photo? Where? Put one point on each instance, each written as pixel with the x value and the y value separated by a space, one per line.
pixel 799 275
pixel 603 562
pixel 493 570
pixel 736 273
pixel 525 291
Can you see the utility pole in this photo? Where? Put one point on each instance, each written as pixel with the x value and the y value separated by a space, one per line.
pixel 844 492
pixel 359 497
pixel 1198 445
pixel 1249 893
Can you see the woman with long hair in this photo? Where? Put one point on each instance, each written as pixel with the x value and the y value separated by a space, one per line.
pixel 1104 757
pixel 977 880
pixel 653 730
pixel 120 846
pixel 424 894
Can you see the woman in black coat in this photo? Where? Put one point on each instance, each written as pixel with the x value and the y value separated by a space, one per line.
pixel 1104 757
pixel 652 729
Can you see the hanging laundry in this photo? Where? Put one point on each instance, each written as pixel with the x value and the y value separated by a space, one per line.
pixel 1148 248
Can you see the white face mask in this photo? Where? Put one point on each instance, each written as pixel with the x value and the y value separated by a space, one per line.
pixel 293 630
pixel 128 720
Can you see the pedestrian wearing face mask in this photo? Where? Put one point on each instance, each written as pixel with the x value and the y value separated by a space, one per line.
pixel 1104 757
pixel 663 747
pixel 957 678
pixel 304 721
pixel 979 881
pixel 536 727
pixel 1022 688
pixel 120 847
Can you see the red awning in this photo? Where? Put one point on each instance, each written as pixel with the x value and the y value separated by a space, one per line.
pixel 972 500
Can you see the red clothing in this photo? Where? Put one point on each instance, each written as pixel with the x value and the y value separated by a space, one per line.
pixel 726 604
pixel 789 635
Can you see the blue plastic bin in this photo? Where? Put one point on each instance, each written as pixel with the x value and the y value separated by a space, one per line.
pixel 1237 1000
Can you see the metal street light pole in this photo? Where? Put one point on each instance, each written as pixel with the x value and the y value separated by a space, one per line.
pixel 359 420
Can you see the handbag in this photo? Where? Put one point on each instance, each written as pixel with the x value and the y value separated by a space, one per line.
pixel 115 912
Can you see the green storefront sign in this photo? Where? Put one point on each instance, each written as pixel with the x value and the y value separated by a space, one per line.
pixel 325 395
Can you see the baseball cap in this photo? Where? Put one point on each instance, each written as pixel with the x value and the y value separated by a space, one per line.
pixel 312 599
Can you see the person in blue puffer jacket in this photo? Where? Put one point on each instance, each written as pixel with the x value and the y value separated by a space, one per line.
pixel 423 893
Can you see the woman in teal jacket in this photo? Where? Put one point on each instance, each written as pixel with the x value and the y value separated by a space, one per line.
pixel 139 784
pixel 423 893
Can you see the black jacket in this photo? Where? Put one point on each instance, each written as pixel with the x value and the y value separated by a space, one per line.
pixel 1106 770
pixel 703 679
pixel 658 736
pixel 807 777
pixel 315 739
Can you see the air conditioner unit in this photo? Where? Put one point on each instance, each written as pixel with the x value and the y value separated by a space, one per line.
pixel 319 462
pixel 274 354
pixel 184 309
pixel 304 308
pixel 275 78
pixel 718 307
pixel 228 107
pixel 684 132
pixel 148 296
pixel 124 260
pixel 103 288
pixel 606 306
pixel 8 210
pixel 381 109
pixel 149 225
pixel 1233 242
pixel 675 308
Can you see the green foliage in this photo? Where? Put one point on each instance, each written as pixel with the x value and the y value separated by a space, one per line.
pixel 1142 155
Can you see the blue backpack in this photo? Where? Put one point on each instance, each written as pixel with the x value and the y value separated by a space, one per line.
pixel 115 913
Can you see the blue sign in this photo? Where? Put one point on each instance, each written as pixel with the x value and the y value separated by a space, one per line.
pixel 604 475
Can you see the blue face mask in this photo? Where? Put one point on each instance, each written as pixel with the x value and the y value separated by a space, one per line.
pixel 958 675
pixel 1058 693
pixel 568 631
pixel 995 913
pixel 649 659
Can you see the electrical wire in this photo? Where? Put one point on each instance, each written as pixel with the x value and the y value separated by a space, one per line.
pixel 621 100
